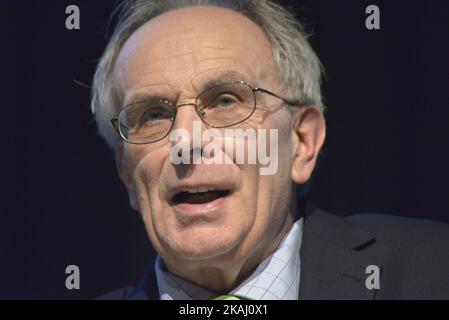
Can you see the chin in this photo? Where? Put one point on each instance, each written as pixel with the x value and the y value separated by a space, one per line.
pixel 203 243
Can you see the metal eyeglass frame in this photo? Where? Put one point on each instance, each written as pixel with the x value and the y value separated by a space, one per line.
pixel 115 121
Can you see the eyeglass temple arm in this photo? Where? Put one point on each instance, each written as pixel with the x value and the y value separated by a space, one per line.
pixel 114 123
pixel 289 102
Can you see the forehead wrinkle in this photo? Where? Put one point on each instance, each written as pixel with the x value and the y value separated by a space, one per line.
pixel 137 71
pixel 134 66
pixel 205 50
pixel 206 63
pixel 188 57
pixel 218 48
pixel 177 45
pixel 146 78
pixel 197 40
pixel 198 54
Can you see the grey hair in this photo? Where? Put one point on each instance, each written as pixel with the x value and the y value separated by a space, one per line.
pixel 298 66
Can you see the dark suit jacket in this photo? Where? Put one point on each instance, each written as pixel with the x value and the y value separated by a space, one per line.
pixel 412 256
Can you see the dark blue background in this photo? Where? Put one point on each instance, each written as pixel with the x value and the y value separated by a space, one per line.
pixel 386 149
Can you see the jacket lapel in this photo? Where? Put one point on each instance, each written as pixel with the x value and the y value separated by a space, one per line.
pixel 334 256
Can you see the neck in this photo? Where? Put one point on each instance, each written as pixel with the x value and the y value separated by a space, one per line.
pixel 224 276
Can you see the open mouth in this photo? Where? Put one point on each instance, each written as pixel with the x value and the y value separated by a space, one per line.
pixel 198 196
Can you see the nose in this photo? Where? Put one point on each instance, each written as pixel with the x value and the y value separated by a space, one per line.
pixel 188 127
pixel 186 117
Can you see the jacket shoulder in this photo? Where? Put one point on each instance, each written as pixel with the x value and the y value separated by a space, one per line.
pixel 414 232
pixel 416 255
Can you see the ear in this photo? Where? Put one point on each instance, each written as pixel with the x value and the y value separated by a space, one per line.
pixel 121 166
pixel 309 132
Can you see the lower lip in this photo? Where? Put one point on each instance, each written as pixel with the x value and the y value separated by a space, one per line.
pixel 208 208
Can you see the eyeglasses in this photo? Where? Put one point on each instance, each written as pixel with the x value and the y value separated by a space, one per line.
pixel 220 106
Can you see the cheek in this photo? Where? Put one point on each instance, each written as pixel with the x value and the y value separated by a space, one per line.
pixel 281 181
pixel 146 164
pixel 274 143
pixel 250 189
pixel 274 195
pixel 150 156
pixel 150 165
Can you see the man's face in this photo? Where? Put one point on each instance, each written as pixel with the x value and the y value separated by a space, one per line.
pixel 176 56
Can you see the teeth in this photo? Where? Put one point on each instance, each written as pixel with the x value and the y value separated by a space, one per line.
pixel 198 190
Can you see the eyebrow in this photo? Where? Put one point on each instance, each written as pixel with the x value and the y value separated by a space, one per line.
pixel 212 81
pixel 144 96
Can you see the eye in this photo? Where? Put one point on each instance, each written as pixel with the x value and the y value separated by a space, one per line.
pixel 225 101
pixel 155 113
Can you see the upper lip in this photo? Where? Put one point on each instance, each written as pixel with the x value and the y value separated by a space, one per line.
pixel 197 187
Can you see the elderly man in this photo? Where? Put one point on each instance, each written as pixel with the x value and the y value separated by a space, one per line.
pixel 220 208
